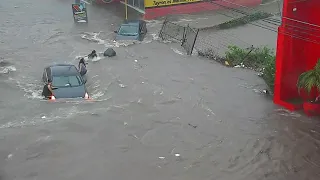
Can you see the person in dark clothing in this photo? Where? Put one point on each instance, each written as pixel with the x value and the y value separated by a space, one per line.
pixel 93 54
pixel 47 91
pixel 82 67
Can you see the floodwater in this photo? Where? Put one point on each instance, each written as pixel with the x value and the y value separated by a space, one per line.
pixel 156 113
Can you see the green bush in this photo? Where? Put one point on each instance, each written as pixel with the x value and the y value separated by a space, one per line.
pixel 268 72
pixel 252 58
pixel 310 79
pixel 261 59
pixel 244 20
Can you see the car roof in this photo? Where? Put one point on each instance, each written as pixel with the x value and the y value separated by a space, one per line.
pixel 63 70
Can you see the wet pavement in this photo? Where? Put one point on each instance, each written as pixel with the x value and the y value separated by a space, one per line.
pixel 156 113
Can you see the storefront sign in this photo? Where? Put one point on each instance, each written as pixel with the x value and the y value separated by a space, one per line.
pixel 159 3
pixel 79 13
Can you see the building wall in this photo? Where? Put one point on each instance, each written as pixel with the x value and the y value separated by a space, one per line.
pixel 158 8
pixel 298 48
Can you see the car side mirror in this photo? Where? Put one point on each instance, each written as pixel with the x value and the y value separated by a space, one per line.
pixel 115 31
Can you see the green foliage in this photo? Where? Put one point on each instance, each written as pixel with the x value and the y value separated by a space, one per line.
pixel 261 59
pixel 310 79
pixel 253 57
pixel 269 72
pixel 244 20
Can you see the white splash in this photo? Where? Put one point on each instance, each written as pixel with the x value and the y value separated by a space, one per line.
pixel 121 43
pixel 97 95
pixel 95 59
pixel 32 90
pixel 93 36
pixel 177 51
pixel 85 57
pixel 155 36
pixel 7 69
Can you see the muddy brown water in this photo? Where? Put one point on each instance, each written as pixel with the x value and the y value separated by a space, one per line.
pixel 156 114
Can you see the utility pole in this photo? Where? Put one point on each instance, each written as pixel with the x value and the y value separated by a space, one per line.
pixel 126 7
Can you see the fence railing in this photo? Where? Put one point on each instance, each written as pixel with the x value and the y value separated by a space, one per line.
pixel 190 37
pixel 185 35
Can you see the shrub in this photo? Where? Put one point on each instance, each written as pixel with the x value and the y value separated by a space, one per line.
pixel 252 58
pixel 260 59
pixel 268 72
pixel 244 20
pixel 310 79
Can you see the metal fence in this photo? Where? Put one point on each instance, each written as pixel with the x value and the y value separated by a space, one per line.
pixel 215 43
pixel 183 34
pixel 190 37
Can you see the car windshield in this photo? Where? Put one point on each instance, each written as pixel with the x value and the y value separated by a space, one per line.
pixel 128 30
pixel 66 81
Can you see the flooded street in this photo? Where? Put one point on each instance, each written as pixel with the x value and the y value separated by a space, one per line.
pixel 156 113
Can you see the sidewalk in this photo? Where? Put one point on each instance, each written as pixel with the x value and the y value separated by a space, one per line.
pixel 212 18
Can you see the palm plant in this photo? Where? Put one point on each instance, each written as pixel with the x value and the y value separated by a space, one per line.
pixel 310 79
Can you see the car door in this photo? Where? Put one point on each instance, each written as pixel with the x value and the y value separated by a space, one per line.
pixel 140 31
pixel 143 29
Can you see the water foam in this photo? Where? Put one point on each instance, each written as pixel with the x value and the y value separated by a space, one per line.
pixel 177 51
pixel 7 69
pixel 95 59
pixel 93 36
pixel 109 43
pixel 32 90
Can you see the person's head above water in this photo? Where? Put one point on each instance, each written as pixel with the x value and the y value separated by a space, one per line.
pixel 81 61
pixel 49 81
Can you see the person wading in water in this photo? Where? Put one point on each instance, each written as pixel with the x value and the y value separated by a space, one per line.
pixel 93 54
pixel 47 91
pixel 82 67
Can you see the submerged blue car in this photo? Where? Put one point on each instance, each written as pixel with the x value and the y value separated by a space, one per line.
pixel 66 81
pixel 132 30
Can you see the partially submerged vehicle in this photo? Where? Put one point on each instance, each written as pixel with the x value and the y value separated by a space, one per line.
pixel 66 81
pixel 132 30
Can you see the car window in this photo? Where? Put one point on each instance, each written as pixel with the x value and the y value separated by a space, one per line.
pixel 66 81
pixel 128 30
